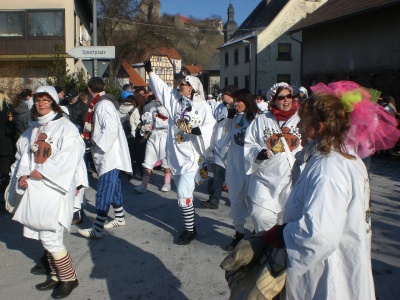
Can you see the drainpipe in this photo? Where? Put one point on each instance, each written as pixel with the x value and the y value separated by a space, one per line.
pixel 94 35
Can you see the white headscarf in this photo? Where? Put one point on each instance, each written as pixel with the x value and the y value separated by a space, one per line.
pixel 196 84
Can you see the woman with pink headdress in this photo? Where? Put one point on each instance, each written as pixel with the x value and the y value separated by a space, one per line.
pixel 326 224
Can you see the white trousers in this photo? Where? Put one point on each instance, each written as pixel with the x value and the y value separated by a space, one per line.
pixel 155 150
pixel 185 185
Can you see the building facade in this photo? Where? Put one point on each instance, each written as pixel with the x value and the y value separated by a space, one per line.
pixel 356 40
pixel 261 52
pixel 29 32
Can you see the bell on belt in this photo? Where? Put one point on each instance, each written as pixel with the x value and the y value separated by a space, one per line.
pixel 34 148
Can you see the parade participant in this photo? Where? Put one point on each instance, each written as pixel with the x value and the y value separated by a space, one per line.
pixel 212 102
pixel 110 154
pixel 47 171
pixel 303 93
pixel 326 223
pixel 216 182
pixel 262 105
pixel 234 127
pixel 190 137
pixel 156 126
pixel 270 143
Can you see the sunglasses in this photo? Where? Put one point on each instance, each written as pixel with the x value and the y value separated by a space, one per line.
pixel 183 84
pixel 282 97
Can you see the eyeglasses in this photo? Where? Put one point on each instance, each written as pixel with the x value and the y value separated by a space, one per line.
pixel 282 97
pixel 183 84
pixel 45 101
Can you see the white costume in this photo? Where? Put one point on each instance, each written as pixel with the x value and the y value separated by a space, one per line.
pixel 51 198
pixel 156 121
pixel 220 114
pixel 183 156
pixel 110 150
pixel 270 181
pixel 325 236
pixel 132 113
pixel 234 131
pixel 263 106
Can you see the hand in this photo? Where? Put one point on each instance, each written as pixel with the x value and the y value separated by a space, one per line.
pixel 147 66
pixel 36 175
pixel 196 131
pixel 22 181
pixel 263 155
pixel 274 236
pixel 231 113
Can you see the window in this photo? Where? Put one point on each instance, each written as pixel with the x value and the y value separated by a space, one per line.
pixel 236 81
pixel 247 53
pixel 283 78
pixel 12 24
pixel 284 51
pixel 226 58
pixel 45 23
pixel 226 81
pixel 236 57
pixel 247 82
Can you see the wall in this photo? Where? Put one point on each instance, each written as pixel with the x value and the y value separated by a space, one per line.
pixel 365 49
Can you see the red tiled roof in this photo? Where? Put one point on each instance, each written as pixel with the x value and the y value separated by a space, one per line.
pixel 334 10
pixel 184 19
pixel 170 52
pixel 134 78
pixel 193 69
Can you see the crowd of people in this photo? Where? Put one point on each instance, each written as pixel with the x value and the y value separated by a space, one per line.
pixel 281 156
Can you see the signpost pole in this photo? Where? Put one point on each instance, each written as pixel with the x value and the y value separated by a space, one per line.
pixel 94 35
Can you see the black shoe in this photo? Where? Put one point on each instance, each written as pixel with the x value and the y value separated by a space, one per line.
pixel 42 267
pixel 64 289
pixel 209 204
pixel 77 218
pixel 48 285
pixel 236 239
pixel 187 236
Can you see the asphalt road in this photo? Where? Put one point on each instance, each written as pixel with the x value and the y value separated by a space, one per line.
pixel 142 261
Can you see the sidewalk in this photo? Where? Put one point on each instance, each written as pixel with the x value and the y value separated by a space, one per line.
pixel 141 261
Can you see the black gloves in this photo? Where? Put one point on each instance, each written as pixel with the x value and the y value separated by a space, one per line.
pixel 231 113
pixel 147 66
pixel 196 131
pixel 263 155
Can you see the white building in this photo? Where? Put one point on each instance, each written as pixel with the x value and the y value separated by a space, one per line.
pixel 260 52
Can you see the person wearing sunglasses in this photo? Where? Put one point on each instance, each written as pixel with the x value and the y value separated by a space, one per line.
pixel 270 143
pixel 190 137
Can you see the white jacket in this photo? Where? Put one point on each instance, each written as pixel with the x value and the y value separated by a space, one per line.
pixel 110 150
pixel 326 238
pixel 269 183
pixel 54 194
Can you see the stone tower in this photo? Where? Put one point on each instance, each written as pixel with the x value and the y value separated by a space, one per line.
pixel 230 26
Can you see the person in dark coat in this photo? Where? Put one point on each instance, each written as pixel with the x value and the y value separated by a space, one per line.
pixel 7 142
pixel 76 108
pixel 22 108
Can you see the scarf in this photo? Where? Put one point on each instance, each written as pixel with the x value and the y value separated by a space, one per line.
pixel 43 120
pixel 89 117
pixel 283 115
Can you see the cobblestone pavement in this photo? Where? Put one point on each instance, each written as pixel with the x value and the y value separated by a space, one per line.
pixel 141 260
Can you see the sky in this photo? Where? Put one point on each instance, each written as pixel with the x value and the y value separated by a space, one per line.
pixel 206 8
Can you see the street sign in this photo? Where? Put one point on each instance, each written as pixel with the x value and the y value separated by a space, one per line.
pixel 93 52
